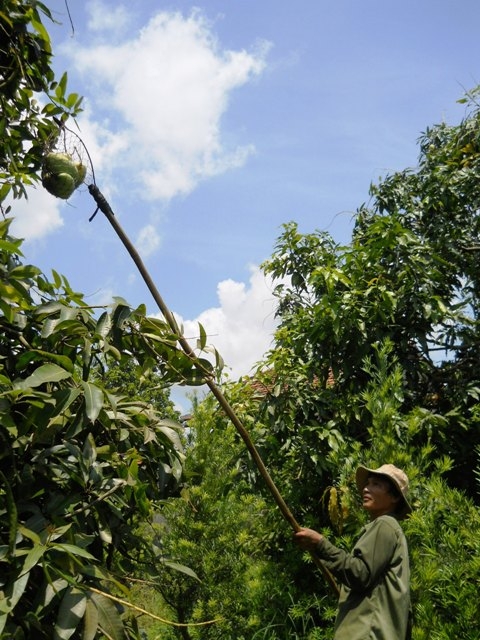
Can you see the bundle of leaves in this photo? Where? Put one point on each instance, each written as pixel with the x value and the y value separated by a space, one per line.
pixel 81 464
pixel 32 100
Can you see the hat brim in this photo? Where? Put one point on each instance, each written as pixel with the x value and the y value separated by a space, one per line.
pixel 361 478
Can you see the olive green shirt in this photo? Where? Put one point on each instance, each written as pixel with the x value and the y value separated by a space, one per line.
pixel 375 593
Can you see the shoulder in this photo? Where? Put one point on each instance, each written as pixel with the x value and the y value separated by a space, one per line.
pixel 383 524
pixel 389 521
pixel 388 526
pixel 381 539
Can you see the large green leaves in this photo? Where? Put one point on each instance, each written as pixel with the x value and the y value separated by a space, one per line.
pixel 81 462
pixel 26 125
pixel 70 613
pixel 44 374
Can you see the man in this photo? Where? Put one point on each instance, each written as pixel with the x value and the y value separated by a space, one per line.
pixel 374 598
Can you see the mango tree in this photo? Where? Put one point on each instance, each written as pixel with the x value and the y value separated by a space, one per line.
pixel 82 465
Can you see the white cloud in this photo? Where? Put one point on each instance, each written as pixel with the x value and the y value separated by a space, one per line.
pixel 106 18
pixel 148 241
pixel 36 217
pixel 241 328
pixel 166 90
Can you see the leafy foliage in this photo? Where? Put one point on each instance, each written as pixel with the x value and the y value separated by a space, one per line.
pixel 26 80
pixel 443 540
pixel 80 464
pixel 378 340
pixel 375 360
pixel 89 446
pixel 410 276
pixel 214 527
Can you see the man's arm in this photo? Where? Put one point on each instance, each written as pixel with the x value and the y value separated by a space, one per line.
pixel 361 568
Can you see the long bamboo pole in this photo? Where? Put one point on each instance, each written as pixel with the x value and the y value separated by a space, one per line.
pixel 105 208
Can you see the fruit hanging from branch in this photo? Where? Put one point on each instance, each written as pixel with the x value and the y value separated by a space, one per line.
pixel 61 175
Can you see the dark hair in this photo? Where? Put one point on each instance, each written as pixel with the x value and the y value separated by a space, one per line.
pixel 394 490
pixel 392 487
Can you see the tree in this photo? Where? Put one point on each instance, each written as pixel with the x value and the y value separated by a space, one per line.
pixel 410 275
pixel 374 360
pixel 27 127
pixel 82 466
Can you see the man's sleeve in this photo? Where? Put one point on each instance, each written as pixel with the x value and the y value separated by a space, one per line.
pixel 368 560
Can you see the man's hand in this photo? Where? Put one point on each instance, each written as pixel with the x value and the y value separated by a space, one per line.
pixel 307 539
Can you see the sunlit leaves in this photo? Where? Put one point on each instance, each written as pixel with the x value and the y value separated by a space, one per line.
pixel 81 463
pixel 25 72
pixel 70 613
pixel 44 374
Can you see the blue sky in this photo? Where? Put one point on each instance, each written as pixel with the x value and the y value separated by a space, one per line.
pixel 210 124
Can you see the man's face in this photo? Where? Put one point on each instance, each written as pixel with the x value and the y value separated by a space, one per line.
pixel 377 499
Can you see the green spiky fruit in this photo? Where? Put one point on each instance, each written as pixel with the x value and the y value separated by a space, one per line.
pixel 57 163
pixel 81 173
pixel 61 175
pixel 60 185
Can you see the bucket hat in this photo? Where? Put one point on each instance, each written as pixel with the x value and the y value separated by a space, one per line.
pixel 393 473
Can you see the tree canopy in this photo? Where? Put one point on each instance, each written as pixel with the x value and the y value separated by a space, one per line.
pixel 83 461
pixel 26 81
pixel 375 360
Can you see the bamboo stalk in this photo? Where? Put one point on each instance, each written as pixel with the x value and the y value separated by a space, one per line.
pixel 142 611
pixel 105 208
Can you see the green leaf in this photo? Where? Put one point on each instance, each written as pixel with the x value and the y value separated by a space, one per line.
pixel 181 568
pixel 52 589
pixel 121 313
pixel 11 597
pixel 57 279
pixel 104 325
pixel 70 613
pixel 49 308
pixel 58 532
pixel 90 621
pixel 61 87
pixel 33 557
pixel 42 375
pixel 89 452
pixel 73 550
pixel 171 432
pixel 49 326
pixel 64 398
pixel 30 534
pixel 12 513
pixel 101 573
pixel 24 272
pixel 109 617
pixel 202 341
pixel 39 354
pixel 93 400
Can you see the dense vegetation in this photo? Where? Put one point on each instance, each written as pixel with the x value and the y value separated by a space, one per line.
pixel 83 462
pixel 375 359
